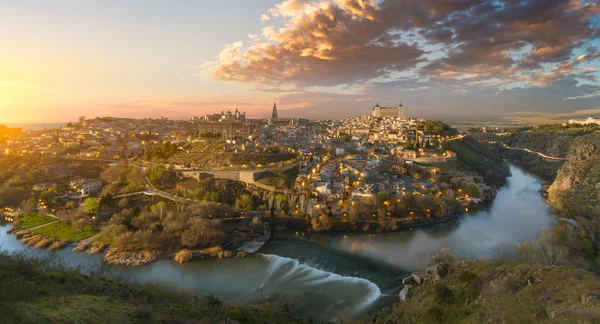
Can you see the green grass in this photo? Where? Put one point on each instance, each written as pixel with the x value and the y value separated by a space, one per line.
pixel 31 220
pixel 46 291
pixel 66 232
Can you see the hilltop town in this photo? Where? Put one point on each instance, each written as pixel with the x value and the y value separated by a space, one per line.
pixel 377 172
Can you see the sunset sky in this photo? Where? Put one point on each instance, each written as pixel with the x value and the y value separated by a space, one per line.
pixel 524 61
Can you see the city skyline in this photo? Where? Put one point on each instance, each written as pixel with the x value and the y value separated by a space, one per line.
pixel 453 60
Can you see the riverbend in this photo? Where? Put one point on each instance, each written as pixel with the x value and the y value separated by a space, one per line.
pixel 333 274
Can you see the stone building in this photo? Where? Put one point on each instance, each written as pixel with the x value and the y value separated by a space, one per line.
pixel 381 112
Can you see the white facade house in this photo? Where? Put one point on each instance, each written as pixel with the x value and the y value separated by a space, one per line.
pixel 589 120
pixel 87 186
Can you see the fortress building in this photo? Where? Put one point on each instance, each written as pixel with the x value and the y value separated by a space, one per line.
pixel 395 112
pixel 236 117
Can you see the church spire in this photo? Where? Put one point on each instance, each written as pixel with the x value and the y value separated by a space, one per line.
pixel 274 114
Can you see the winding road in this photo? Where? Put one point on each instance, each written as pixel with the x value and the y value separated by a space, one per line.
pixel 549 157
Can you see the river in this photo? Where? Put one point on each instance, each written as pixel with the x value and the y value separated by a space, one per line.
pixel 352 274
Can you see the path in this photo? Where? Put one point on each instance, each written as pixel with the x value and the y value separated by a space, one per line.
pixel 549 157
pixel 89 239
pixel 25 230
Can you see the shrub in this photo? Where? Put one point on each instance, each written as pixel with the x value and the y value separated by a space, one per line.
pixel 443 294
pixel 183 256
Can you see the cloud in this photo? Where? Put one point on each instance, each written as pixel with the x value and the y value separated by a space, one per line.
pixel 466 49
pixel 335 42
pixel 264 17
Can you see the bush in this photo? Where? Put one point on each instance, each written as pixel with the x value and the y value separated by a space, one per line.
pixel 443 294
pixel 183 256
pixel 444 255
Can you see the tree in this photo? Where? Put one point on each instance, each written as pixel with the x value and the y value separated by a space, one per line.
pixel 107 200
pixel 30 205
pixel 257 225
pixel 70 204
pixel 281 203
pixel 245 202
pixel 47 196
pixel 321 223
pixel 159 208
pixel 123 203
pixel 543 251
pixel 201 232
pixel 473 190
pixel 91 206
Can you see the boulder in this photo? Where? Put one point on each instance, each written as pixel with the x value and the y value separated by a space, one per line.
pixel 404 292
pixel 590 295
pixel 419 277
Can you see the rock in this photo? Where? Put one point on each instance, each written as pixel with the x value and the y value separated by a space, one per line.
pixel 80 247
pixel 590 295
pixel 419 277
pixel 586 299
pixel 97 247
pixel 130 258
pixel 241 254
pixel 404 292
pixel 408 280
pixel 58 244
pixel 437 272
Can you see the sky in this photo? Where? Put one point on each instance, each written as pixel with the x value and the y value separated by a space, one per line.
pixel 529 61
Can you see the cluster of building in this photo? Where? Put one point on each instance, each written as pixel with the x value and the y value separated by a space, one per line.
pixel 587 121
pixel 347 159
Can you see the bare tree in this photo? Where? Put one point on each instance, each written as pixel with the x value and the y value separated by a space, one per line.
pixel 293 200
pixel 302 204
pixel 270 200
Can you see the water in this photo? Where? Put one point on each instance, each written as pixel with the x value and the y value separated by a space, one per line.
pixel 345 274
pixel 518 213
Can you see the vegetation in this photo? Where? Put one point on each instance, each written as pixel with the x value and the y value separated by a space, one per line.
pixel 434 126
pixel 32 219
pixel 47 291
pixel 11 196
pixel 183 256
pixel 167 228
pixel 501 292
pixel 23 172
pixel 65 232
pixel 122 180
pixel 215 154
pixel 91 205
pixel 284 179
pixel 483 159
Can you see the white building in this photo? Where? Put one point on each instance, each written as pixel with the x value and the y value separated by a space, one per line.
pixel 380 112
pixel 87 186
pixel 589 120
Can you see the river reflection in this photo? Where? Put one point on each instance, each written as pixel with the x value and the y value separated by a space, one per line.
pixel 518 213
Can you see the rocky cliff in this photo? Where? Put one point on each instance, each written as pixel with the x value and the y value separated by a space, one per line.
pixel 576 189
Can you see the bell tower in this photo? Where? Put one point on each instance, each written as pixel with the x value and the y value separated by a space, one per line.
pixel 274 114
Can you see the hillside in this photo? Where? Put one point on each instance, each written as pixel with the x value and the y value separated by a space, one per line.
pixel 574 193
pixel 44 291
pixel 501 292
pixel 484 159
pixel 576 190
pixel 213 154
